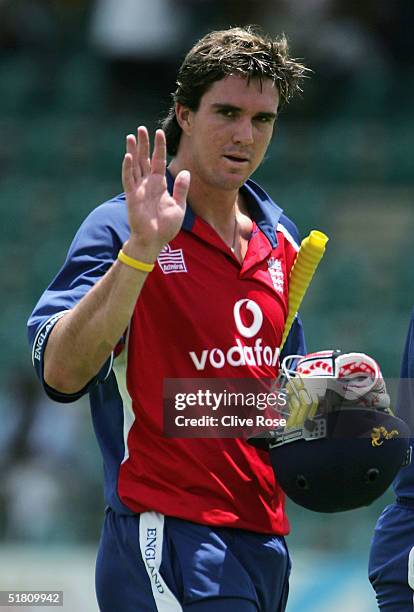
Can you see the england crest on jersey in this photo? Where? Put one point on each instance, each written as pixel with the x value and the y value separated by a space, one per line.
pixel 276 274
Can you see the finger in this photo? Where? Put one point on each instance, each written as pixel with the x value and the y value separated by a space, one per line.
pixel 128 180
pixel 303 409
pixel 302 405
pixel 294 407
pixel 181 187
pixel 294 386
pixel 314 407
pixel 143 160
pixel 159 156
pixel 131 147
pixel 292 420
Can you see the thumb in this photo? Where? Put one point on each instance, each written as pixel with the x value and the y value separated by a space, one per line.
pixel 181 187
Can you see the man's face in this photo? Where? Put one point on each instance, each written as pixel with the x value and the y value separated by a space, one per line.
pixel 227 137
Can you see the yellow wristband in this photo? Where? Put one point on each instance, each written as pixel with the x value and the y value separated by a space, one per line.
pixel 135 263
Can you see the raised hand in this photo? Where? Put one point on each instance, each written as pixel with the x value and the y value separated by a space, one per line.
pixel 154 216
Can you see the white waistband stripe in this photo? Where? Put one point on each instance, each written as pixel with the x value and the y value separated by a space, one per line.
pixel 151 534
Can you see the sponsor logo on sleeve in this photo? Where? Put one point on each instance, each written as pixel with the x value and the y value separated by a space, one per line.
pixel 171 261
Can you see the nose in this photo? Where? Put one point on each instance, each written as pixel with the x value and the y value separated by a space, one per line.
pixel 243 133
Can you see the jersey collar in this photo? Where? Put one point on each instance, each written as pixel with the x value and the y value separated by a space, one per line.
pixel 263 210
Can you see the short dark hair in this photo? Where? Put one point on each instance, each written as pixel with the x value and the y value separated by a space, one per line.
pixel 241 51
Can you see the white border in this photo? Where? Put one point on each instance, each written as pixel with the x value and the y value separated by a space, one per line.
pixel 281 228
pixel 120 370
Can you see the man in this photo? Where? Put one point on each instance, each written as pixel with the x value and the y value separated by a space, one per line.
pixel 391 566
pixel 167 281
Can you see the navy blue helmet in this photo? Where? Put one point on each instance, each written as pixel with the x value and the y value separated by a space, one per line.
pixel 341 446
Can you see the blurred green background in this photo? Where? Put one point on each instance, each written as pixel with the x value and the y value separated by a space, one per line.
pixel 76 77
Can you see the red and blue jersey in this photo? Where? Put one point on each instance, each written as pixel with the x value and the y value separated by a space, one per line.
pixel 201 314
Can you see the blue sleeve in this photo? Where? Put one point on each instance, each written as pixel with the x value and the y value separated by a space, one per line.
pixel 295 342
pixel 91 254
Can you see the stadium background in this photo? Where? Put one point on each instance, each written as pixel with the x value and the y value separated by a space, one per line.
pixel 75 77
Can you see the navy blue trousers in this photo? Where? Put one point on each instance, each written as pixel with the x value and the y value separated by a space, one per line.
pixel 149 563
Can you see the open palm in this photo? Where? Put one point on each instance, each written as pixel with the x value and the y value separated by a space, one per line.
pixel 155 217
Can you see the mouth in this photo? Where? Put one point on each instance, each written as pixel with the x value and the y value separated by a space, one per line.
pixel 237 159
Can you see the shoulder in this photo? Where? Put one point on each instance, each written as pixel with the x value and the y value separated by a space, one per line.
pixel 108 221
pixel 112 212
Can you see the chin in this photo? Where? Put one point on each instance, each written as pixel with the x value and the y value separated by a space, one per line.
pixel 230 181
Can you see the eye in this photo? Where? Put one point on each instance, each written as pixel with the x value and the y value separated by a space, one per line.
pixel 230 113
pixel 264 119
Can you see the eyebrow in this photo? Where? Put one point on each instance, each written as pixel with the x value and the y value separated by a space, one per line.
pixel 230 107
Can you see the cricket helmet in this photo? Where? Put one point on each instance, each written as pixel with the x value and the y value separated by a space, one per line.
pixel 347 451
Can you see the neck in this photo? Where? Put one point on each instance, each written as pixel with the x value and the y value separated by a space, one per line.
pixel 216 206
pixel 225 210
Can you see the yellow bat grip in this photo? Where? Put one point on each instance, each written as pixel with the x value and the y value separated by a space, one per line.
pixel 307 260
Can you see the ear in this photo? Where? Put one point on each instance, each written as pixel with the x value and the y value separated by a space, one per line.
pixel 184 117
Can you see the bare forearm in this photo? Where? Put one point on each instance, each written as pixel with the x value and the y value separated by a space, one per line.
pixel 83 339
